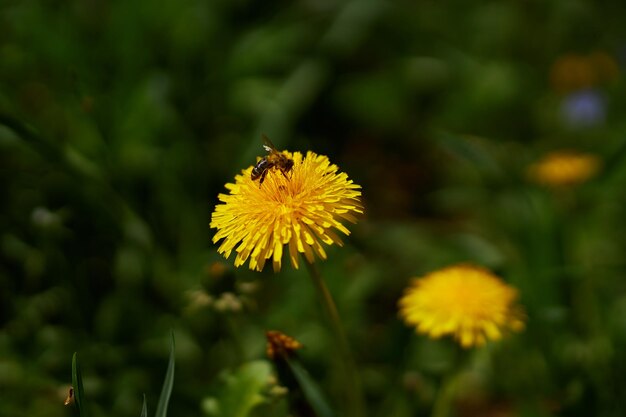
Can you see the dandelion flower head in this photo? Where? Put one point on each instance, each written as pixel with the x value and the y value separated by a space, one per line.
pixel 301 210
pixel 564 168
pixel 465 301
pixel 573 72
pixel 279 344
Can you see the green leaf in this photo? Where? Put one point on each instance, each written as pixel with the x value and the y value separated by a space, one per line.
pixel 242 390
pixel 144 408
pixel 168 383
pixel 77 383
pixel 311 390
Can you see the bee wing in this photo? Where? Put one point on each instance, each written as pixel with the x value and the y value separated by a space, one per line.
pixel 268 145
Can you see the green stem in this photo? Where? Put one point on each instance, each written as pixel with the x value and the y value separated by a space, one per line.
pixel 445 396
pixel 449 384
pixel 352 384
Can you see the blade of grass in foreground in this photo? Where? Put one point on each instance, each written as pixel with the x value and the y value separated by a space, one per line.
pixel 310 389
pixel 144 408
pixel 77 383
pixel 168 383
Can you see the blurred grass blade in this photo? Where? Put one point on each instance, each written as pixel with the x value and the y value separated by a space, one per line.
pixel 77 383
pixel 472 149
pixel 144 408
pixel 310 389
pixel 168 383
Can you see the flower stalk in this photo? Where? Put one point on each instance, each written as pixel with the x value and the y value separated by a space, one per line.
pixel 445 396
pixel 352 384
pixel 448 388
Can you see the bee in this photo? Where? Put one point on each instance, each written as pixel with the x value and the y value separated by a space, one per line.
pixel 273 159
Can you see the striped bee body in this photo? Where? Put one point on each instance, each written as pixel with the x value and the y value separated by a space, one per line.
pixel 274 159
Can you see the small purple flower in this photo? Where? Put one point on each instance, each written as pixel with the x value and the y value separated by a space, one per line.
pixel 583 109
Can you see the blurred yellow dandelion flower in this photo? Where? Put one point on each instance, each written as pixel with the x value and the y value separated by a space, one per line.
pixel 574 72
pixel 465 301
pixel 299 209
pixel 563 168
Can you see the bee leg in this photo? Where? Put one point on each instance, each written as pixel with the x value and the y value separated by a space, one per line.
pixel 287 171
pixel 262 177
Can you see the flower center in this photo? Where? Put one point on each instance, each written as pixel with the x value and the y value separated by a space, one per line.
pixel 286 208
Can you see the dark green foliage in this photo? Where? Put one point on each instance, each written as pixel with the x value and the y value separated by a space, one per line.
pixel 311 390
pixel 168 384
pixel 121 121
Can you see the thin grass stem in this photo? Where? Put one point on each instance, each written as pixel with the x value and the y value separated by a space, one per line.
pixel 352 384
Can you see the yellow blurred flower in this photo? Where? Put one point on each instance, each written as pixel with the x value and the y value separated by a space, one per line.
pixel 300 209
pixel 572 72
pixel 562 168
pixel 465 301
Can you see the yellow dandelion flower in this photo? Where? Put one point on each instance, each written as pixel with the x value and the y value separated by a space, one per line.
pixel 572 72
pixel 563 168
pixel 301 209
pixel 465 301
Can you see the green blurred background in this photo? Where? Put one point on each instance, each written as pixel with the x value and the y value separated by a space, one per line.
pixel 121 121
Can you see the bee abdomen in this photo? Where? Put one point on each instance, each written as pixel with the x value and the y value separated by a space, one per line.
pixel 258 169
